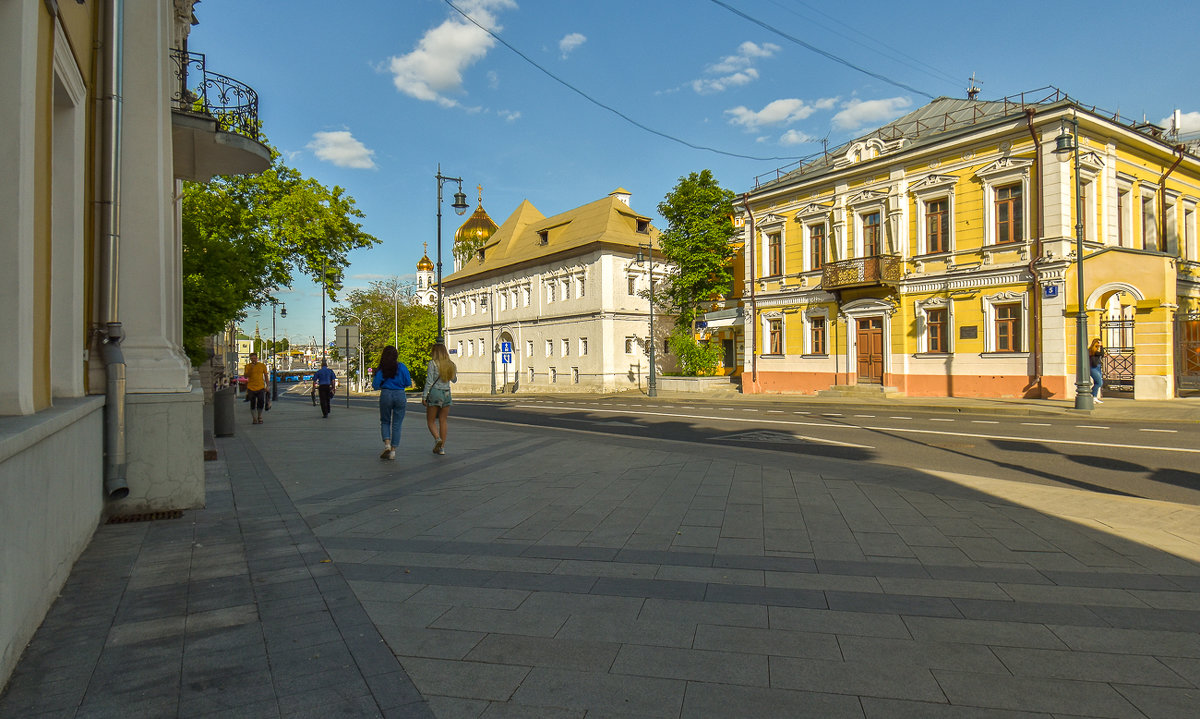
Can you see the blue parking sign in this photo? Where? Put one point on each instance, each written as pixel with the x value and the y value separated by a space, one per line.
pixel 506 358
pixel 506 347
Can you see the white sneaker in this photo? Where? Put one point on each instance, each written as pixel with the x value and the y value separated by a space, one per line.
pixel 1097 400
pixel 391 454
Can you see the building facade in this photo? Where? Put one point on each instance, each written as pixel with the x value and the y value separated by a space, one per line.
pixel 557 304
pixel 936 256
pixel 105 113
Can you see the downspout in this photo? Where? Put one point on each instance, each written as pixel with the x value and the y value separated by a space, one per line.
pixel 753 299
pixel 1037 255
pixel 1162 199
pixel 115 486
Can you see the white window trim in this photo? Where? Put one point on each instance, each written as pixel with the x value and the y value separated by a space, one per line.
pixel 528 348
pixel 1148 192
pixel 549 348
pixel 1125 214
pixel 583 346
pixel 989 322
pixel 938 303
pixel 808 217
pixel 1091 174
pixel 770 225
pixel 1003 172
pixel 766 319
pixel 808 317
pixel 930 189
pixel 865 203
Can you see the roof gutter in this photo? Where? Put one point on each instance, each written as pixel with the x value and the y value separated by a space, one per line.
pixel 1162 198
pixel 1037 255
pixel 753 299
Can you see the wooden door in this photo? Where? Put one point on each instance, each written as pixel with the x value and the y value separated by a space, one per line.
pixel 870 350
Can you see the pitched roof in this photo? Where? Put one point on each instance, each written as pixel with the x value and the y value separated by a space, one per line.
pixel 519 241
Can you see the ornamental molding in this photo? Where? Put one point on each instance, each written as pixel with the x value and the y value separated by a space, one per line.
pixel 1007 296
pixel 932 303
pixel 933 183
pixel 867 197
pixel 770 220
pixel 813 211
pixel 1006 166
pixel 972 282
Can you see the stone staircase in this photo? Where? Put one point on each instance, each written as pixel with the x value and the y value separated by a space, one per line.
pixel 860 391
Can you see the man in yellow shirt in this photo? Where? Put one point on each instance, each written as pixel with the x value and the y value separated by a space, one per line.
pixel 256 387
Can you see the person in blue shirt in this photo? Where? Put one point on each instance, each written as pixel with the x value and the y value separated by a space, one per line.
pixel 391 379
pixel 326 381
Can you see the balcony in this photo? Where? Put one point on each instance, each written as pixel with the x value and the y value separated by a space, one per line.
pixel 214 121
pixel 874 271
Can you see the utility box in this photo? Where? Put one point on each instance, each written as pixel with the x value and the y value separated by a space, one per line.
pixel 223 400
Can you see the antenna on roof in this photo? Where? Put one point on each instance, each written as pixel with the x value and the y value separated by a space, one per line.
pixel 973 88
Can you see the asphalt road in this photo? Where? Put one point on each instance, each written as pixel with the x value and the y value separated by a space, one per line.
pixel 1152 460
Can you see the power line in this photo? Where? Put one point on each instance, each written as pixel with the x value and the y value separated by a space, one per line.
pixel 819 51
pixel 596 102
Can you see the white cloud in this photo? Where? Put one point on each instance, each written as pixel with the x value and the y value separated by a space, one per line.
pixel 795 137
pixel 435 67
pixel 860 113
pixel 1189 122
pixel 510 115
pixel 777 112
pixel 734 70
pixel 570 42
pixel 340 148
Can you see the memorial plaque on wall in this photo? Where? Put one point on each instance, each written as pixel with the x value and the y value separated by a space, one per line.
pixel 968 332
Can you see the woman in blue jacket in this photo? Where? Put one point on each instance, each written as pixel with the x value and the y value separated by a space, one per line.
pixel 390 379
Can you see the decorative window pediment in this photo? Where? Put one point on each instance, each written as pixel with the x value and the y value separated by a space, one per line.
pixel 933 183
pixel 1006 166
pixel 933 303
pixel 1005 297
pixel 1091 161
pixel 867 197
pixel 771 219
pixel 813 211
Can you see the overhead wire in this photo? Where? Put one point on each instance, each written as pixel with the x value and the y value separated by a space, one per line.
pixel 819 51
pixel 609 108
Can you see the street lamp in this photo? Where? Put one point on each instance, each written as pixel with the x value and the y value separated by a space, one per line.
pixel 492 331
pixel 275 349
pixel 460 206
pixel 1068 141
pixel 652 384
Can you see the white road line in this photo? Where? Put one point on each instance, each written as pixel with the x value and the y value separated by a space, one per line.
pixel 774 411
pixel 801 412
pixel 747 409
pixel 940 419
pixel 871 416
pixel 1036 424
pixel 831 414
pixel 907 430
pixel 1090 426
pixel 984 421
pixel 1172 431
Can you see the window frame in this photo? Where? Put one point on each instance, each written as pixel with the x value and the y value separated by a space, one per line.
pixel 925 325
pixel 817 247
pixel 991 305
pixel 1015 205
pixel 775 254
pixel 812 320
pixel 1005 172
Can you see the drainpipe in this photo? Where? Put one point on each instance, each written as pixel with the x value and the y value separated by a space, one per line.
pixel 1162 199
pixel 115 486
pixel 753 299
pixel 1037 255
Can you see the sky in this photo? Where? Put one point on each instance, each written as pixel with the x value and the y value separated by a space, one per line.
pixel 564 101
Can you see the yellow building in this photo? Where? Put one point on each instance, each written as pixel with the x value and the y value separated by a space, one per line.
pixel 936 256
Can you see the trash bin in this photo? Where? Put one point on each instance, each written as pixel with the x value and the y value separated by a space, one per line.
pixel 223 411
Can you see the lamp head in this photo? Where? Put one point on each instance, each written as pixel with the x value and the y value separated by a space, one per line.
pixel 1065 142
pixel 640 257
pixel 283 311
pixel 460 201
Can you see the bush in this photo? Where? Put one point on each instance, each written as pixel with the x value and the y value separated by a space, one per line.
pixel 696 359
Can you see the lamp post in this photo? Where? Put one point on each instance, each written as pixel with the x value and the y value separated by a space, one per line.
pixel 652 383
pixel 275 350
pixel 1068 141
pixel 324 291
pixel 460 206
pixel 492 332
pixel 358 371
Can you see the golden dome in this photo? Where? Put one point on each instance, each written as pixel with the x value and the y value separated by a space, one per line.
pixel 476 230
pixel 425 265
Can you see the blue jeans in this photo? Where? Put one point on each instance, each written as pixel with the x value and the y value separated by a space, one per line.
pixel 392 404
pixel 1097 381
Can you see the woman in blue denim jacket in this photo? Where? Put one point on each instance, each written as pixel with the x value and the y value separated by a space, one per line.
pixel 436 396
pixel 391 379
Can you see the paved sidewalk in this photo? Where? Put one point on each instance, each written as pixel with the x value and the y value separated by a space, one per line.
pixel 553 573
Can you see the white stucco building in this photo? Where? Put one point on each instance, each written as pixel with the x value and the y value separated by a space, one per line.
pixel 557 304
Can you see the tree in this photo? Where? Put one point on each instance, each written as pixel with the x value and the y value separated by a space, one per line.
pixel 245 235
pixel 372 310
pixel 696 242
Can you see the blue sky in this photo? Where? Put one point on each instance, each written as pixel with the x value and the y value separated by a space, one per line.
pixel 372 95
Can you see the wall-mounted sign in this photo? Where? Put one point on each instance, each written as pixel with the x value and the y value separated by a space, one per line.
pixel 968 332
pixel 1050 291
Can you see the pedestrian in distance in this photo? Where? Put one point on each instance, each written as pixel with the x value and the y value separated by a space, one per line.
pixel 1095 366
pixel 436 395
pixel 391 379
pixel 256 387
pixel 326 382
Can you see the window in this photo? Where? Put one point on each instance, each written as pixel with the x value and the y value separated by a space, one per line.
pixel 816 247
pixel 937 225
pixel 774 255
pixel 553 375
pixel 531 374
pixel 1008 327
pixel 549 348
pixel 503 301
pixel 566 347
pixel 528 348
pixel 470 348
pixel 550 291
pixel 525 296
pixel 543 237
pixel 631 284
pixel 643 226
pixel 775 333
pixel 1188 250
pixel 583 346
pixel 1123 231
pixel 460 349
pixel 482 347
pixel 628 345
pixel 1009 215
pixel 575 375
pixel 816 336
pixel 566 289
pixel 935 330
pixel 1149 224
pixel 579 287
pixel 512 302
pixel 870 227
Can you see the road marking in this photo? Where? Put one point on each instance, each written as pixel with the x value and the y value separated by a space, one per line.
pixel 984 421
pixel 940 419
pixel 865 415
pixel 1036 424
pixel 774 411
pixel 1172 431
pixel 747 409
pixel 1090 426
pixel 801 412
pixel 831 414
pixel 907 430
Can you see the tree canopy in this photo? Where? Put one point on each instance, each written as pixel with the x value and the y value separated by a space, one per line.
pixel 387 313
pixel 244 236
pixel 696 242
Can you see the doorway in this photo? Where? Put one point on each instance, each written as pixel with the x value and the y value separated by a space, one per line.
pixel 869 348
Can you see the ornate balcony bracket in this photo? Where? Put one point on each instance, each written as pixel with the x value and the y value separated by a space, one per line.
pixel 881 270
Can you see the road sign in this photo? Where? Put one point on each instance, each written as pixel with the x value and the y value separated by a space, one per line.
pixel 506 346
pixel 347 335
pixel 506 358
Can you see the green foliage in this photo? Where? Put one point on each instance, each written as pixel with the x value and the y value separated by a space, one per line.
pixel 696 359
pixel 696 241
pixel 245 235
pixel 387 313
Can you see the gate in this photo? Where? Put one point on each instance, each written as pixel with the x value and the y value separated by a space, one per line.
pixel 1187 351
pixel 1117 365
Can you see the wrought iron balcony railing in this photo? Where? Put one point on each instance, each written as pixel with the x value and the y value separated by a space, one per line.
pixel 233 104
pixel 862 272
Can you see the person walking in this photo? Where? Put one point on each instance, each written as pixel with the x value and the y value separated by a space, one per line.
pixel 326 382
pixel 391 379
pixel 1096 367
pixel 256 387
pixel 436 395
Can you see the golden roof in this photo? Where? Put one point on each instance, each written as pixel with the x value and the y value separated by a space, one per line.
pixel 425 264
pixel 528 235
pixel 477 229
